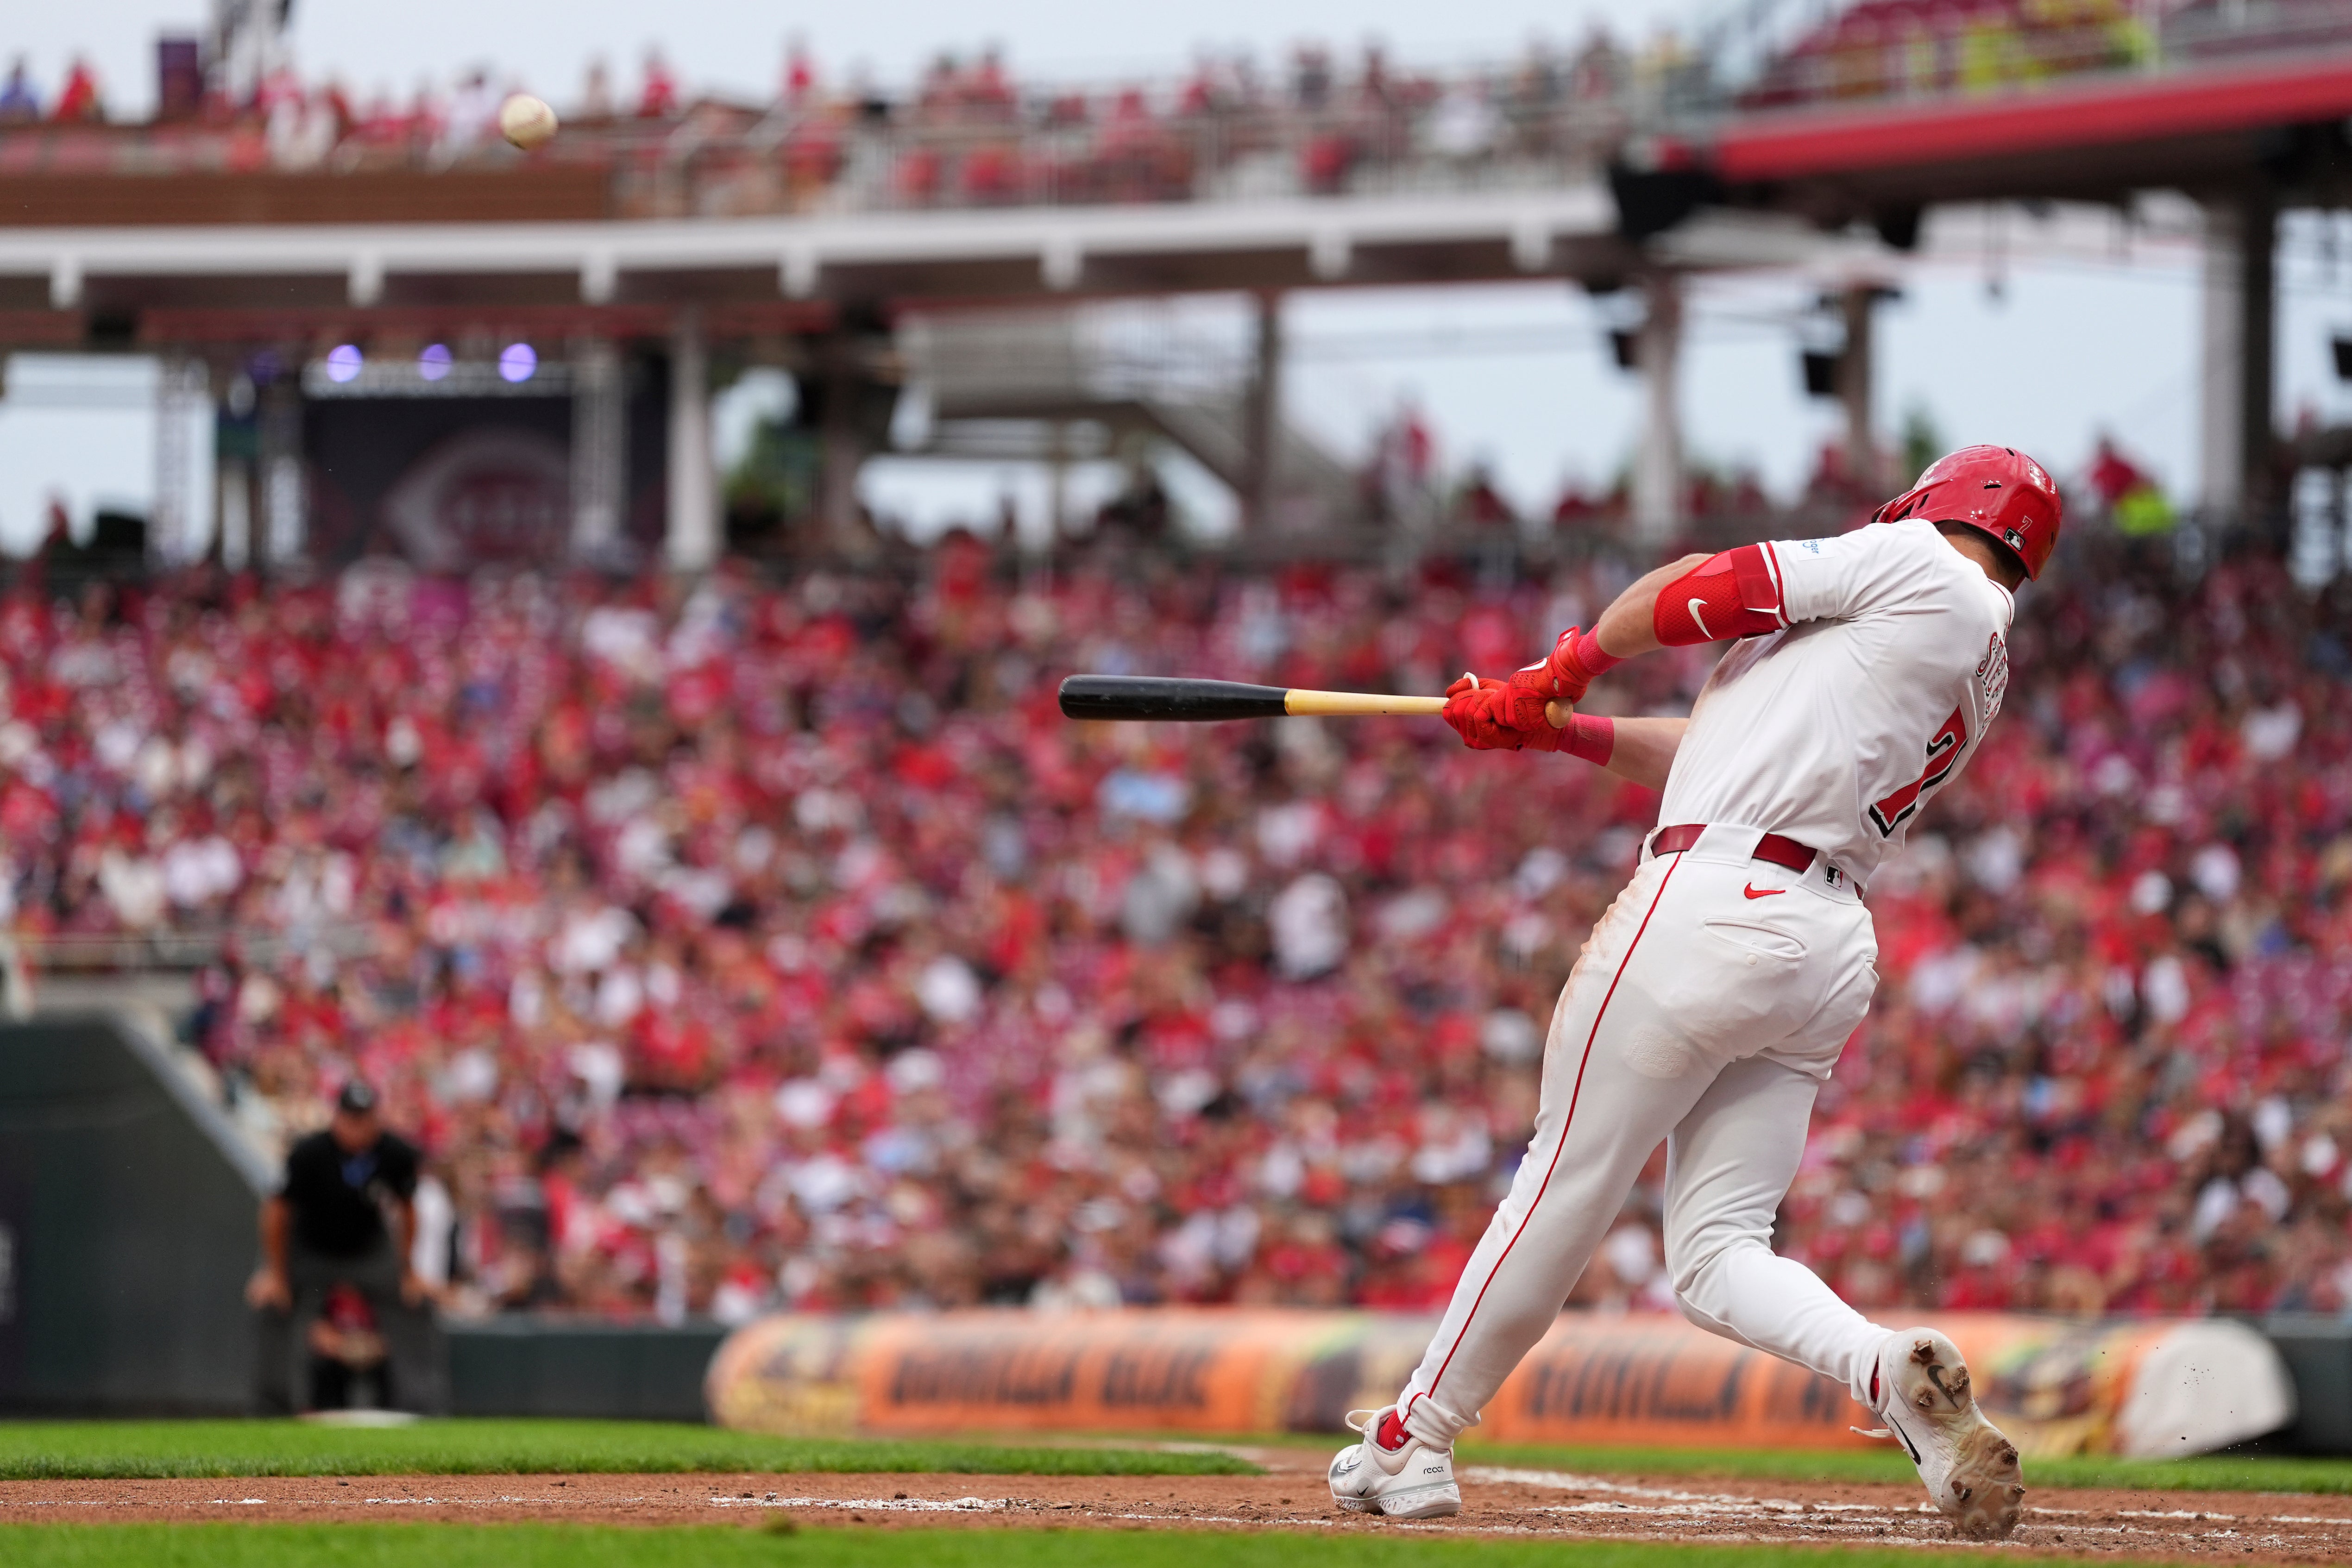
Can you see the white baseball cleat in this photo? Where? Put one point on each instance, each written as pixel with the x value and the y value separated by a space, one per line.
pixel 1970 1471
pixel 1391 1471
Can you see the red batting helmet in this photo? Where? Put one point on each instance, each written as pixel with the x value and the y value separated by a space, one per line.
pixel 1996 489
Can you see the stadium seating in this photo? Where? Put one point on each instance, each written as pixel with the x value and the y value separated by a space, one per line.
pixel 968 134
pixel 780 944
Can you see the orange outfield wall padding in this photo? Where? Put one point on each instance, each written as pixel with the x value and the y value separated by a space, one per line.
pixel 2058 1386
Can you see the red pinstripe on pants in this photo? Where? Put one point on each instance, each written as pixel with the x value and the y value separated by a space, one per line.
pixel 1567 1118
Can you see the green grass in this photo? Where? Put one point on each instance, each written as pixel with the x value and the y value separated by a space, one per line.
pixel 105 1449
pixel 110 1449
pixel 703 1546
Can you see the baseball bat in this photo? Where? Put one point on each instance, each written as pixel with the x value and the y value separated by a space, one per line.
pixel 1179 699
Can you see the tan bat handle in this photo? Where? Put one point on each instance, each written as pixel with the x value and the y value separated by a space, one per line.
pixel 1303 704
pixel 1354 705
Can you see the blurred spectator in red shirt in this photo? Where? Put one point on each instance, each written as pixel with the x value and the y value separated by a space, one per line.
pixel 659 99
pixel 78 100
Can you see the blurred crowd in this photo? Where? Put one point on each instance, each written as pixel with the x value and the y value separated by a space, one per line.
pixel 1409 480
pixel 1882 48
pixel 966 132
pixel 750 945
pixel 1896 47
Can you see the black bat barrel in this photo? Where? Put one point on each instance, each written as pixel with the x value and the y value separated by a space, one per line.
pixel 1167 697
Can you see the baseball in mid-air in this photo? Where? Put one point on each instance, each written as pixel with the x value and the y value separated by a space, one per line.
pixel 527 121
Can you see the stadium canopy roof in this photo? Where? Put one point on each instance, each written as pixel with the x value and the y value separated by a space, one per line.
pixel 2091 138
pixel 973 255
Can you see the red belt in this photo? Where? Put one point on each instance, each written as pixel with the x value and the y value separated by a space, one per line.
pixel 1771 847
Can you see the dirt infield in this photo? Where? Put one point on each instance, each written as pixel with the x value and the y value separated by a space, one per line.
pixel 2250 1526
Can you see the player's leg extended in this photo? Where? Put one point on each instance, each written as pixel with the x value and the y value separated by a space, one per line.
pixel 1605 1107
pixel 1728 1167
pixel 1729 1164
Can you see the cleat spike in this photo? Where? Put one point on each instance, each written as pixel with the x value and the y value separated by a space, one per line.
pixel 1971 1470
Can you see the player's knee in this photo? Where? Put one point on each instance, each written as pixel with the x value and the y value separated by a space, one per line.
pixel 1691 1267
pixel 1696 1313
pixel 1687 1264
pixel 1693 1256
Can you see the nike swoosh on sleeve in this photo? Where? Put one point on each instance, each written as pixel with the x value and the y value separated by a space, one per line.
pixel 1700 619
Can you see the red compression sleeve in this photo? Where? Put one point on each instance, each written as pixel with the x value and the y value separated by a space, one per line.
pixel 1734 594
pixel 1594 739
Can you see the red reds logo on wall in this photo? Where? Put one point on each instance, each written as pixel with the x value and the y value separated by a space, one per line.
pixel 483 496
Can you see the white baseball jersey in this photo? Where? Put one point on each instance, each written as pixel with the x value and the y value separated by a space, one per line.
pixel 1834 730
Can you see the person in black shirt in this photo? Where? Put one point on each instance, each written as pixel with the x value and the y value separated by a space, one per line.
pixel 344 1216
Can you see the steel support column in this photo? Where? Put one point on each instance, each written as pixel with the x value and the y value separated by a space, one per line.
pixel 236 486
pixel 1265 419
pixel 1057 483
pixel 285 511
pixel 599 449
pixel 841 448
pixel 1658 464
pixel 1854 368
pixel 2237 354
pixel 691 542
pixel 178 515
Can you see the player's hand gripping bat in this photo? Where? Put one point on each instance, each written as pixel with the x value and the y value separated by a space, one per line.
pixel 1181 700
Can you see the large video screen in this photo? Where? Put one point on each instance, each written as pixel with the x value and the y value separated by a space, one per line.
pixel 466 467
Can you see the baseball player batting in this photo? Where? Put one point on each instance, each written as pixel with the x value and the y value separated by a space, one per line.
pixel 1716 994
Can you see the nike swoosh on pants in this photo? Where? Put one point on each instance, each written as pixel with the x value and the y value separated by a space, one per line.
pixel 1752 890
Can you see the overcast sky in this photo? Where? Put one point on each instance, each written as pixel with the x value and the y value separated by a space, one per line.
pixel 2041 353
pixel 727 43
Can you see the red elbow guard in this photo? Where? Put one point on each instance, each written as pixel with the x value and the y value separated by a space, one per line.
pixel 1734 594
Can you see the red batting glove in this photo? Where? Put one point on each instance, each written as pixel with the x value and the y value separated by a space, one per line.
pixel 1562 675
pixel 1576 659
pixel 1470 709
pixel 1478 709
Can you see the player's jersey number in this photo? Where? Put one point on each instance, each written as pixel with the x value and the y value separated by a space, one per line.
pixel 1944 748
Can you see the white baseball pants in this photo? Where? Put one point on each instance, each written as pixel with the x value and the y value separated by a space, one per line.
pixel 1710 1002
